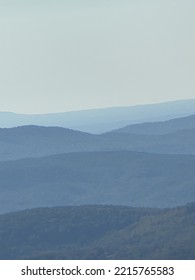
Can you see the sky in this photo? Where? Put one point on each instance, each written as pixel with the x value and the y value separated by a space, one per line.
pixel 64 55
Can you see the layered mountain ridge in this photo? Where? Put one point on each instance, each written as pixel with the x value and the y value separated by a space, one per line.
pixel 138 164
pixel 103 120
pixel 175 136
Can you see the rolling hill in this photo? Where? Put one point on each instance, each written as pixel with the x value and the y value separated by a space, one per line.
pixel 141 165
pixel 99 232
pixel 159 128
pixel 118 178
pixel 36 141
pixel 178 142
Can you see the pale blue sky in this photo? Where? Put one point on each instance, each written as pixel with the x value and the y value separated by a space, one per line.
pixel 62 55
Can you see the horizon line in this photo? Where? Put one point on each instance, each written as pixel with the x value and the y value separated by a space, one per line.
pixel 101 108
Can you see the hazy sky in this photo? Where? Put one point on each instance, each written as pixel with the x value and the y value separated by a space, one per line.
pixel 62 55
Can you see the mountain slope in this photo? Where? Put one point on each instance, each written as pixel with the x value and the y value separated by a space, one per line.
pixel 102 120
pixel 98 232
pixel 178 142
pixel 118 178
pixel 158 128
pixel 35 141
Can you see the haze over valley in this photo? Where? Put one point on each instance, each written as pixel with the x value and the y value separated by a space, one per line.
pixel 149 164
pixel 97 129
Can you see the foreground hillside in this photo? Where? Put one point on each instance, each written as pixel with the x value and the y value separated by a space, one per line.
pixel 98 232
pixel 118 178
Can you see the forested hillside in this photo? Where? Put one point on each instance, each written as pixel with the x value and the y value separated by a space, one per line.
pixel 98 232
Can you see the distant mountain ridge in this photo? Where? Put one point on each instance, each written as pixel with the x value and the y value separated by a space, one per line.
pixel 148 164
pixel 158 128
pixel 36 141
pixel 176 136
pixel 102 120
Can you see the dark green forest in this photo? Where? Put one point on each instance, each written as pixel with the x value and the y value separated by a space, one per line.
pixel 99 232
